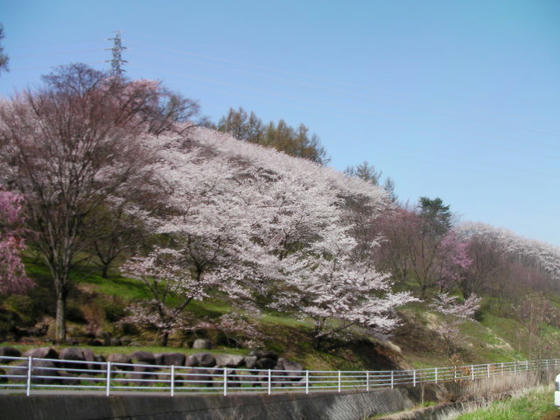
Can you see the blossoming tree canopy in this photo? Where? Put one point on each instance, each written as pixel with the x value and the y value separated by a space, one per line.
pixel 12 271
pixel 254 222
pixel 543 256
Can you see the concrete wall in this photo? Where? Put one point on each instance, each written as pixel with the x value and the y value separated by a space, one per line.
pixel 235 407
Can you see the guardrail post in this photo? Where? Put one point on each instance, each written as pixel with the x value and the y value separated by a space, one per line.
pixel 172 380
pixel 526 365
pixel 269 382
pixel 307 382
pixel 472 372
pixel 546 364
pixel 367 381
pixel 488 369
pixel 392 379
pixel 435 375
pixel 414 378
pixel 339 382
pixel 108 384
pixel 225 382
pixel 515 367
pixel 502 369
pixel 29 370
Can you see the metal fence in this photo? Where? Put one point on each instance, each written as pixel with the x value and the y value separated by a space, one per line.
pixel 31 373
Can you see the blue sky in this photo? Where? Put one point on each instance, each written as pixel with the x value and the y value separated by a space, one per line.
pixel 454 99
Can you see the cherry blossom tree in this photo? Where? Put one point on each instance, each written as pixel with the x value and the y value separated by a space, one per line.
pixel 541 255
pixel 338 292
pixel 487 267
pixel 163 272
pixel 207 225
pixel 448 305
pixel 68 148
pixel 413 250
pixel 325 278
pixel 310 231
pixel 13 278
pixel 453 261
pixel 266 228
pixel 456 313
pixel 240 330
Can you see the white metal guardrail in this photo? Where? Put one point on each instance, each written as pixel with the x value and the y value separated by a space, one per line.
pixel 31 373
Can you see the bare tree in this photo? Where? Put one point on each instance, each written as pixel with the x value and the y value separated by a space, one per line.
pixel 68 148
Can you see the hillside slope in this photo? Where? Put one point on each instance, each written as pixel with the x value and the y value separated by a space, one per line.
pixel 215 180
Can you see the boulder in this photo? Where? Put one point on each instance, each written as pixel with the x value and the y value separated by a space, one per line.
pixel 9 352
pixel 293 371
pixel 44 368
pixel 120 358
pixel 197 378
pixel 144 357
pixel 168 359
pixel 191 361
pixel 73 354
pixel 202 344
pixel 142 376
pixel 265 363
pixel 229 360
pixel 233 381
pixel 265 355
pixel 89 356
pixel 250 362
pixel 201 359
pixel 42 353
pixel 39 368
pixel 19 370
pixel 260 379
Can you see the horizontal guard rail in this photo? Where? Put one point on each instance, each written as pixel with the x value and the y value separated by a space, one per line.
pixel 32 373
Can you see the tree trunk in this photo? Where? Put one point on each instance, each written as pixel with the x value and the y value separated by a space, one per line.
pixel 164 338
pixel 61 279
pixel 423 290
pixel 60 334
pixel 105 271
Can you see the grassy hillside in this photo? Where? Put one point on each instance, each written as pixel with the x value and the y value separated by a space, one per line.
pixel 96 305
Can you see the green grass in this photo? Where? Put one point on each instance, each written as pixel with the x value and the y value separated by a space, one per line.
pixel 498 337
pixel 275 318
pixel 534 405
pixel 106 350
pixel 126 288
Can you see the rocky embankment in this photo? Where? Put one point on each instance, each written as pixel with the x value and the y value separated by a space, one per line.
pixel 142 367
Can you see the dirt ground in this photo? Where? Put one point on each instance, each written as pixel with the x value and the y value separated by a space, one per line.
pixel 552 415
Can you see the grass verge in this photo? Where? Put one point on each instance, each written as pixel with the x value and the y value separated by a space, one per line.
pixel 533 405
